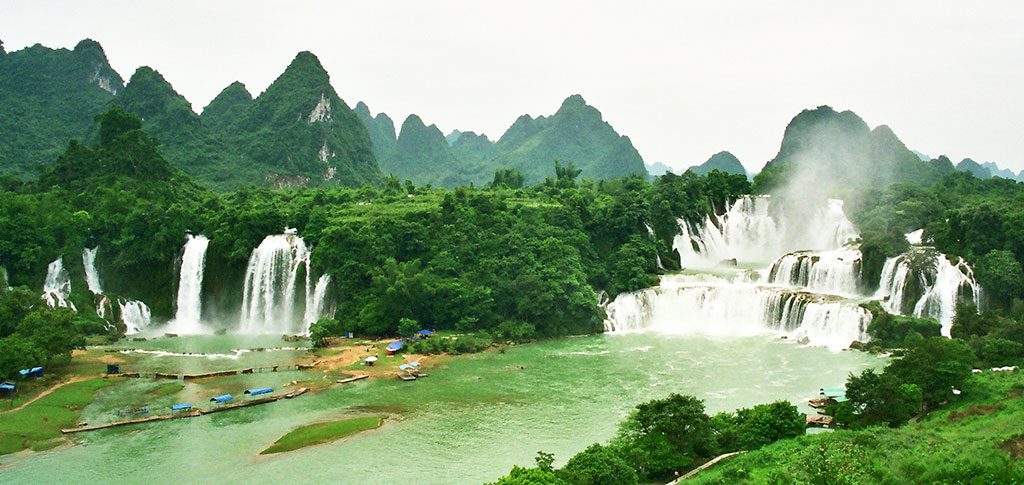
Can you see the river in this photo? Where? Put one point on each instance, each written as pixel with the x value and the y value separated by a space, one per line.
pixel 469 422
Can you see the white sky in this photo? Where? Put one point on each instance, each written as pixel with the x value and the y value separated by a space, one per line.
pixel 682 79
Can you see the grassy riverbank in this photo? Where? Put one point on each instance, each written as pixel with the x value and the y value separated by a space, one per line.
pixel 978 440
pixel 37 425
pixel 317 433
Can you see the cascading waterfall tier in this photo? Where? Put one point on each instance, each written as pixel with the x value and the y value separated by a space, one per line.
pixel 135 315
pixel 92 276
pixel 925 283
pixel 835 271
pixel 684 304
pixel 187 317
pixel 57 287
pixel 269 302
pixel 316 302
pixel 758 229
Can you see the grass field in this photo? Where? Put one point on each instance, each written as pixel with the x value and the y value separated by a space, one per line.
pixel 977 440
pixel 316 433
pixel 38 425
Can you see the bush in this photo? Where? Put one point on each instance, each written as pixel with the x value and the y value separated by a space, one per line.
pixel 597 465
pixel 323 328
pixel 891 331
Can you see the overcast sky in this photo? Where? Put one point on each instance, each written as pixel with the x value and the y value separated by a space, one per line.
pixel 682 79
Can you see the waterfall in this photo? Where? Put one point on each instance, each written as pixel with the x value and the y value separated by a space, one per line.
pixel 57 287
pixel 271 278
pixel 924 283
pixel 5 279
pixel 135 315
pixel 316 307
pixel 758 229
pixel 190 286
pixel 835 271
pixel 92 277
pixel 684 305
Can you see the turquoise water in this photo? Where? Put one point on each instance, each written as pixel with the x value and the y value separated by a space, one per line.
pixel 469 422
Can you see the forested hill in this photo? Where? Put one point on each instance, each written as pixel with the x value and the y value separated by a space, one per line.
pixel 840 149
pixel 577 134
pixel 721 161
pixel 48 96
pixel 299 132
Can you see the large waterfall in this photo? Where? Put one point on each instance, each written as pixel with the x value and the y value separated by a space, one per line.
pixel 812 291
pixel 190 286
pixel 270 298
pixel 57 287
pixel 925 283
pixel 92 277
pixel 808 293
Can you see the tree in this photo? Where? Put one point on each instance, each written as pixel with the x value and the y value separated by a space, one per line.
pixel 597 465
pixel 16 353
pixel 936 366
pixel 880 399
pixel 323 328
pixel 666 435
pixel 768 423
pixel 530 476
pixel 1001 276
pixel 408 327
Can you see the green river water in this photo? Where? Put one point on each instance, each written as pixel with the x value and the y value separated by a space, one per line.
pixel 469 422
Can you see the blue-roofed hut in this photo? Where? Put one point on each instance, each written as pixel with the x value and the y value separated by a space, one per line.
pixel 257 392
pixel 113 369
pixel 181 407
pixel 221 399
pixel 395 347
pixel 7 388
pixel 425 333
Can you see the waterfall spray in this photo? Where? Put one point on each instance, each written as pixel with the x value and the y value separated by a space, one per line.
pixel 57 287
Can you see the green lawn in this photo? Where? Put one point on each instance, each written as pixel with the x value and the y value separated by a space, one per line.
pixel 316 433
pixel 978 440
pixel 38 425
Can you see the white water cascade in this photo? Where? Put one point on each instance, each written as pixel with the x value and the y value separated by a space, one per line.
pixel 57 287
pixel 92 277
pixel 135 315
pixel 835 271
pixel 271 281
pixel 808 294
pixel 759 229
pixel 316 302
pixel 684 305
pixel 190 285
pixel 925 283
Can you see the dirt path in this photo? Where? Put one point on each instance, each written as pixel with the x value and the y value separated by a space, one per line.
pixel 48 391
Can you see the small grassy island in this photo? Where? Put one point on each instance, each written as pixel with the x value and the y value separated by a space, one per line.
pixel 318 433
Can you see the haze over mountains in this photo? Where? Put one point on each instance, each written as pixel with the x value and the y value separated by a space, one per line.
pixel 300 132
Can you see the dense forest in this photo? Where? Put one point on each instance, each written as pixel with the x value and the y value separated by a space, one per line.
pixel 514 260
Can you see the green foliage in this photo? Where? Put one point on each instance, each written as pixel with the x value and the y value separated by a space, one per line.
pixel 881 399
pixel 936 366
pixel 597 465
pixel 1001 274
pixel 32 334
pixel 323 328
pixel 48 96
pixel 509 178
pixel 530 476
pixel 891 331
pixel 967 443
pixel 666 435
pixel 408 327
